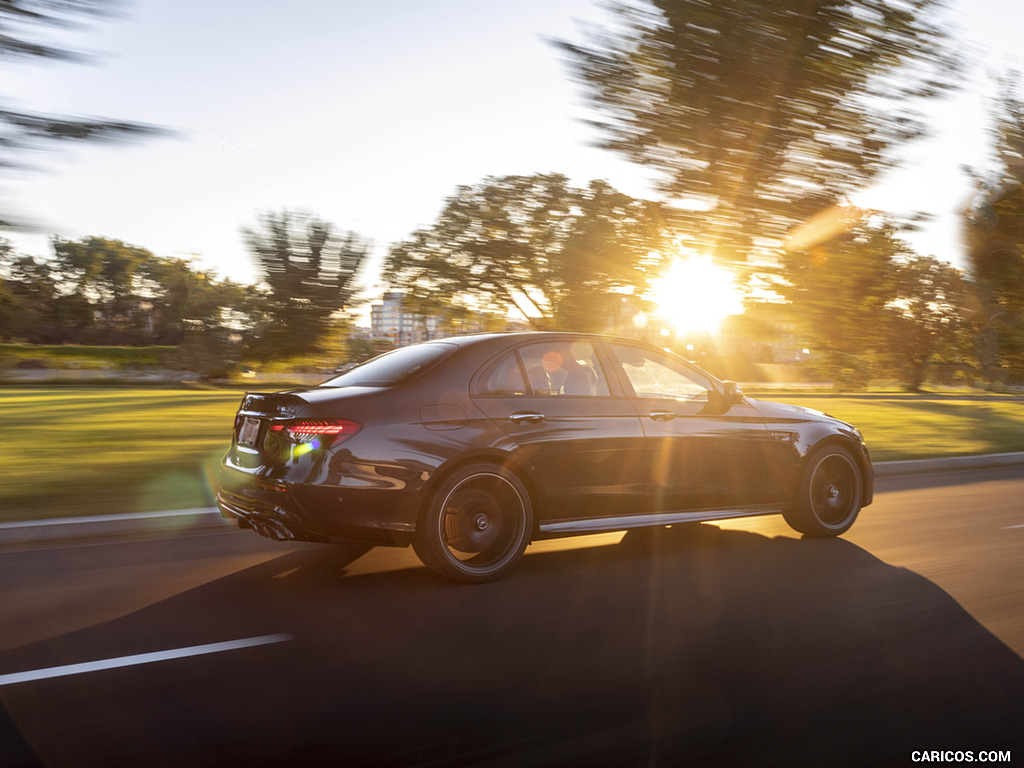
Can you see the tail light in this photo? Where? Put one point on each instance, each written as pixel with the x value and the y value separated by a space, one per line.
pixel 319 432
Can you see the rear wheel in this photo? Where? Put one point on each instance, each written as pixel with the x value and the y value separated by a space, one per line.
pixel 476 526
pixel 830 493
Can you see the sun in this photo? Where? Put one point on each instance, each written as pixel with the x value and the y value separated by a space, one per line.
pixel 695 295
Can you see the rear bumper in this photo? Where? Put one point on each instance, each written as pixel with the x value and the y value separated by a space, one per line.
pixel 271 521
pixel 299 512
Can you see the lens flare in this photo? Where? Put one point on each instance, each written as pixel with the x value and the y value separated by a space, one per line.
pixel 303 448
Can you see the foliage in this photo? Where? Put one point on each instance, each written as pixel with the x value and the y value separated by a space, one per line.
pixel 105 292
pixel 360 350
pixel 77 356
pixel 308 275
pixel 838 291
pixel 25 289
pixel 760 113
pixel 929 318
pixel 24 28
pixel 994 227
pixel 215 320
pixel 868 304
pixel 111 288
pixel 533 244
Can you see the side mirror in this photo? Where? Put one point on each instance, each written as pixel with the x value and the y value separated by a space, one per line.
pixel 731 393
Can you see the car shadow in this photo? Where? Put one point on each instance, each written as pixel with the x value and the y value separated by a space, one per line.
pixel 689 645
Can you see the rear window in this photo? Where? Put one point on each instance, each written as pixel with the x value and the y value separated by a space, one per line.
pixel 392 367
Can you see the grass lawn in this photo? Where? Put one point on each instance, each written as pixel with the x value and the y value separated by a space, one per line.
pixel 915 427
pixel 88 451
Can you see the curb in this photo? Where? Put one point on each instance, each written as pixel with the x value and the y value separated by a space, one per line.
pixel 951 464
pixel 209 520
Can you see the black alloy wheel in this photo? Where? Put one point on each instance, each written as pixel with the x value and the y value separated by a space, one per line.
pixel 477 524
pixel 830 493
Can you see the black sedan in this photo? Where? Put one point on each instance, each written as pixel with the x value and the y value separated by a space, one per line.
pixel 471 447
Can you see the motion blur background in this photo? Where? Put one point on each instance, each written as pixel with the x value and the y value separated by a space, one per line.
pixel 281 172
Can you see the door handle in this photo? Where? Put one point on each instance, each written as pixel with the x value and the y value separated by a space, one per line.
pixel 526 417
pixel 661 415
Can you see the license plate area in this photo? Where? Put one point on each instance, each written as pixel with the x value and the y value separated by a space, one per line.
pixel 249 432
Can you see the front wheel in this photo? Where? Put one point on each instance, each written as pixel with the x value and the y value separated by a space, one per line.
pixel 476 526
pixel 829 497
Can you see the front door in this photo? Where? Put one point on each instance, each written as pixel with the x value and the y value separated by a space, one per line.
pixel 702 453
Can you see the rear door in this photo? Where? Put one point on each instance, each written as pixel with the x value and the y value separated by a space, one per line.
pixel 575 427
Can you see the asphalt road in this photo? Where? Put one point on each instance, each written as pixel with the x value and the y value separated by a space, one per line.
pixel 730 644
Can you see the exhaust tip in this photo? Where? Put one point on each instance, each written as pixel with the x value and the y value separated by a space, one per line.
pixel 271 529
pixel 277 531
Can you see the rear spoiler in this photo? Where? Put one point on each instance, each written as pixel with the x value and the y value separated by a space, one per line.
pixel 271 404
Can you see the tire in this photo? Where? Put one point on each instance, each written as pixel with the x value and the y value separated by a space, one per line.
pixel 828 499
pixel 477 525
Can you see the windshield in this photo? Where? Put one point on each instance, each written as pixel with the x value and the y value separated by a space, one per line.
pixel 392 367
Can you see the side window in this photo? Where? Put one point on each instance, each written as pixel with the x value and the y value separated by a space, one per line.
pixel 564 368
pixel 504 378
pixel 655 375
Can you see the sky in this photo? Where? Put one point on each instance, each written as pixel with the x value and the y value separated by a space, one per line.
pixel 369 114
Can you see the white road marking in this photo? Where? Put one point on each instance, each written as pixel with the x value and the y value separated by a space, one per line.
pixel 1011 527
pixel 142 658
pixel 111 518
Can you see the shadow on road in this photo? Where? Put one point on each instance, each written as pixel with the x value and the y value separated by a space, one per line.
pixel 684 646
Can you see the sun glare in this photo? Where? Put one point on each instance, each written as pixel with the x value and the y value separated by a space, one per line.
pixel 695 295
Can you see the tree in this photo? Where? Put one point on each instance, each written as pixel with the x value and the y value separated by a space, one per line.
pixel 308 274
pixel 994 233
pixel 531 244
pixel 214 323
pixel 760 114
pixel 928 318
pixel 11 304
pixel 104 290
pixel 23 27
pixel 27 300
pixel 839 291
pixel 101 291
pixel 863 299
